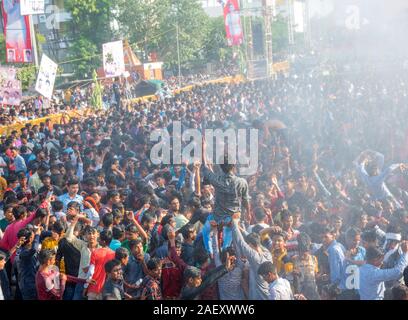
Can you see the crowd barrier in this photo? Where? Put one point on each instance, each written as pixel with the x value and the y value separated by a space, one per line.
pixel 57 118
pixel 54 118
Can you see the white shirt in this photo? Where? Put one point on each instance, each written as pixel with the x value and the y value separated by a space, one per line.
pixel 280 290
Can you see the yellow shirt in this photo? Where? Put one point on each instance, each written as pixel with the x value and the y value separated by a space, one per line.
pixel 52 244
pixel 3 187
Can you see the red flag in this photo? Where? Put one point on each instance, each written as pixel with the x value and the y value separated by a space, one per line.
pixel 232 21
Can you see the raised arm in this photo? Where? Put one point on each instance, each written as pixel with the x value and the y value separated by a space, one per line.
pixel 246 250
pixel 77 243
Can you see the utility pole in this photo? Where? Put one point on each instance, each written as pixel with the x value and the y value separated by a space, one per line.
pixel 178 55
pixel 268 16
pixel 291 37
pixel 33 40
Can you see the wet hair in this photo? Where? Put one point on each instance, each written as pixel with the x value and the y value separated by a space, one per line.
pixel 153 263
pixel 200 256
pixel 117 232
pixel 226 167
pixel 26 233
pixel 57 205
pixel 121 253
pixel 74 204
pixel 260 214
pixel 112 193
pixel 45 255
pixel 106 236
pixel 373 253
pixel 267 267
pixel 19 211
pixel 253 239
pixel 191 273
pixel 73 181
pixel 352 232
pixel 134 243
pixel 304 242
pixel 147 218
pixel 131 228
pixel 111 264
pixel 41 213
pixel 194 202
pixel 166 219
pixel 187 229
pixel 369 236
pixel 58 228
pixel 107 220
pixel 285 214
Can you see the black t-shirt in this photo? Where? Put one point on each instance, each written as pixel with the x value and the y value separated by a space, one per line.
pixel 71 255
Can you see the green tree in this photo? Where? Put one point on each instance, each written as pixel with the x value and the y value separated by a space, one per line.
pixel 152 25
pixel 215 44
pixel 27 75
pixel 91 27
pixel 88 58
pixel 142 22
pixel 280 38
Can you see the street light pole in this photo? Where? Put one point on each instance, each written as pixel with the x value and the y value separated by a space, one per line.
pixel 178 55
pixel 33 40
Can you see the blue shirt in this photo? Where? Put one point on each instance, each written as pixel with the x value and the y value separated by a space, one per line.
pixel 20 164
pixel 376 184
pixel 134 271
pixel 350 267
pixel 65 199
pixel 372 278
pixel 336 262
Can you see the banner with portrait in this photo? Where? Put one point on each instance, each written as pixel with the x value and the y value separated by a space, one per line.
pixel 10 87
pixel 46 77
pixel 32 7
pixel 232 21
pixel 113 59
pixel 16 33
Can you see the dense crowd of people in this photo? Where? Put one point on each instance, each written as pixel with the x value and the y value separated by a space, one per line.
pixel 80 96
pixel 87 215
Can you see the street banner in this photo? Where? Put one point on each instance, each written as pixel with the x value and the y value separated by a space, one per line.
pixel 16 32
pixel 232 21
pixel 113 59
pixel 10 87
pixel 32 7
pixel 46 77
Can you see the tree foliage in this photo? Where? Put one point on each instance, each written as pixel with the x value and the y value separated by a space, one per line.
pixel 91 28
pixel 152 26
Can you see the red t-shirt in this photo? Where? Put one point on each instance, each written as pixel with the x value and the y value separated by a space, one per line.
pixel 47 284
pixel 98 258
